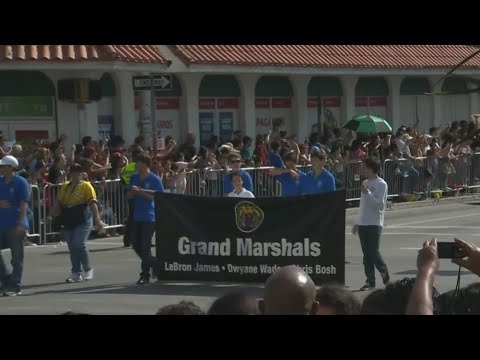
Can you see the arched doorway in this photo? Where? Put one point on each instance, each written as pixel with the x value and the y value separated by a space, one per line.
pixel 455 107
pixel 371 94
pixel 325 97
pixel 415 106
pixel 27 106
pixel 273 105
pixel 218 106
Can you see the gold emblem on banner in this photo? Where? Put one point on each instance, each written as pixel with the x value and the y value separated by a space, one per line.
pixel 248 216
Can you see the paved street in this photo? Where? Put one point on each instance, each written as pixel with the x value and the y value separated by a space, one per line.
pixel 113 291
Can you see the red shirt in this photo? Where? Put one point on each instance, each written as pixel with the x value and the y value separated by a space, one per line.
pixel 262 153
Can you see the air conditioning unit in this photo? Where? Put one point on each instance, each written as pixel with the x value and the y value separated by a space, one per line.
pixel 79 91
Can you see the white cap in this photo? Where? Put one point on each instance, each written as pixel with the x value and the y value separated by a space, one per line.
pixel 9 160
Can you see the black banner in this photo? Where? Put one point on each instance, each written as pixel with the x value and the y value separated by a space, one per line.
pixel 246 240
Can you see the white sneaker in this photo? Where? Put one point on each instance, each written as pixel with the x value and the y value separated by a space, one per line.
pixel 74 278
pixel 88 275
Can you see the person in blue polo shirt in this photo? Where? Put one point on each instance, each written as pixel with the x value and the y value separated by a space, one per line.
pixel 143 186
pixel 14 198
pixel 274 157
pixel 289 177
pixel 234 163
pixel 319 180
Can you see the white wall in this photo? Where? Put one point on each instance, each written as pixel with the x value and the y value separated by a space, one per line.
pixel 456 108
pixel 408 111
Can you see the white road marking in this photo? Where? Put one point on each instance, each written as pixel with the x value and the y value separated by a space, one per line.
pixel 423 234
pixel 433 220
pixel 434 227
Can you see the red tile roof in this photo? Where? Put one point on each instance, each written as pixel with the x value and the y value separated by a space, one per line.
pixel 75 53
pixel 329 56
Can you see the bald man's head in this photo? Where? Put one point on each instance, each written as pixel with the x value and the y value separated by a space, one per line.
pixel 289 291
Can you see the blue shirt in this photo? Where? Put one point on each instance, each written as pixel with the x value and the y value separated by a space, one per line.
pixel 290 186
pixel 16 191
pixel 144 209
pixel 246 178
pixel 311 185
pixel 275 160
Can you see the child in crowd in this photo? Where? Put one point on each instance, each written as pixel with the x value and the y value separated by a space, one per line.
pixel 238 190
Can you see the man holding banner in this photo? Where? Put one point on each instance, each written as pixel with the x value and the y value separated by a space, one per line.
pixel 290 176
pixel 319 180
pixel 143 186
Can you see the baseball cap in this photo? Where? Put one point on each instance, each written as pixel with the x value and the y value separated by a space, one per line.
pixel 9 160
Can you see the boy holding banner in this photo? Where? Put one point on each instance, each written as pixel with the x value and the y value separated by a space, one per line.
pixel 143 186
pixel 319 180
pixel 289 176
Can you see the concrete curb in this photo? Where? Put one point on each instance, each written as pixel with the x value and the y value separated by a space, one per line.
pixel 424 203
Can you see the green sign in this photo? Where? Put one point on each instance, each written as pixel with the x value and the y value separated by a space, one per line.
pixel 26 106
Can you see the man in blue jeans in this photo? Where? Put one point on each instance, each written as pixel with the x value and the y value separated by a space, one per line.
pixel 369 223
pixel 143 186
pixel 14 197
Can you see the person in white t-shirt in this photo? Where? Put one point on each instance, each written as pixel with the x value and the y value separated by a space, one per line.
pixel 238 189
pixel 369 223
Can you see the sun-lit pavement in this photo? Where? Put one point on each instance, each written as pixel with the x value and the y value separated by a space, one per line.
pixel 113 291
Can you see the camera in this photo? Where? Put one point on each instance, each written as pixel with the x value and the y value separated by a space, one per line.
pixel 448 250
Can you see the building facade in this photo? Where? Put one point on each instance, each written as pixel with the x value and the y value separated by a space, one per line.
pixel 47 90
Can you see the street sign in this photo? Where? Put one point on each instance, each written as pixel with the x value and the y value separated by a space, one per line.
pixel 161 82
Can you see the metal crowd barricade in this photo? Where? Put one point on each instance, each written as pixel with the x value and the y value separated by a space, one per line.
pixel 474 172
pixel 50 229
pixel 112 206
pixel 353 179
pixel 462 165
pixel 403 176
pixel 34 217
pixel 112 203
pixel 264 185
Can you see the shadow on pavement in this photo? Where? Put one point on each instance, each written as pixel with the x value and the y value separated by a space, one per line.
pixel 90 250
pixel 35 286
pixel 155 288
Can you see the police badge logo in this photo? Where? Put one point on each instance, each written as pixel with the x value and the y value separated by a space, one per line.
pixel 248 216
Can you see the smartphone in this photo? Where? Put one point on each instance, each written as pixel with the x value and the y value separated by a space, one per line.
pixel 448 250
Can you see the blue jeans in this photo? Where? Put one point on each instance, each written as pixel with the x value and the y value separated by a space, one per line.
pixel 142 233
pixel 9 239
pixel 77 245
pixel 370 241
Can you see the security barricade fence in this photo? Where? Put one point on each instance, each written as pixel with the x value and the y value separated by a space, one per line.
pixel 34 215
pixel 412 179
